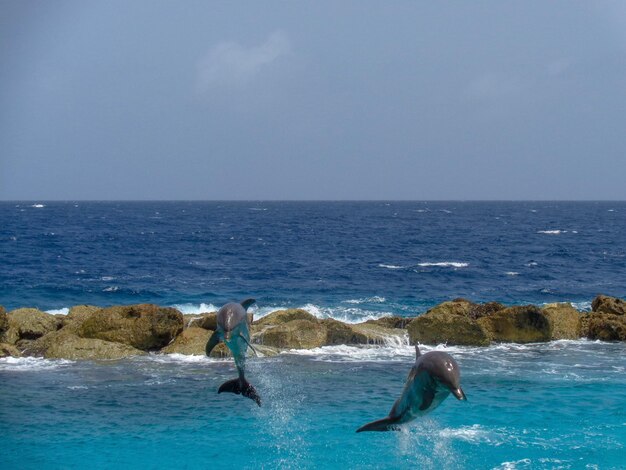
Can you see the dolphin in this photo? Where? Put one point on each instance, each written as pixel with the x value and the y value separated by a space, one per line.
pixel 433 377
pixel 233 329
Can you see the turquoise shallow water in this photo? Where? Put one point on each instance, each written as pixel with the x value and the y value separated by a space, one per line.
pixel 554 405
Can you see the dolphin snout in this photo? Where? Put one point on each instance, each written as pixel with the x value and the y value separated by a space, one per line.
pixel 458 393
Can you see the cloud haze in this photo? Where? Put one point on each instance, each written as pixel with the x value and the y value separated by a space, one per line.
pixel 358 99
pixel 231 64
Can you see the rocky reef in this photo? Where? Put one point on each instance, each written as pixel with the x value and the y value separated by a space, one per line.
pixel 91 332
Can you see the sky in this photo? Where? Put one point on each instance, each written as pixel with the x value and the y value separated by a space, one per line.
pixel 325 100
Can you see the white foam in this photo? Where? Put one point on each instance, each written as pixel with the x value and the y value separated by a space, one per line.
pixel 59 311
pixel 582 306
pixel 552 232
pixel 38 206
pixel 515 464
pixel 445 264
pixel 111 289
pixel 25 364
pixel 390 266
pixel 372 300
pixel 195 309
pixel 512 273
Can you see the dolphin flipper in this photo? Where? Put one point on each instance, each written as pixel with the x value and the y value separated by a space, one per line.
pixel 248 343
pixel 241 387
pixel 385 424
pixel 213 341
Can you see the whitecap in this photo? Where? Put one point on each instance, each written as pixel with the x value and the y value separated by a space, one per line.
pixel 373 300
pixel 59 311
pixel 111 289
pixel 552 232
pixel 38 206
pixel 195 309
pixel 25 364
pixel 390 266
pixel 512 273
pixel 445 264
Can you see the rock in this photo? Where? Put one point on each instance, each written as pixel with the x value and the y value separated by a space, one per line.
pixel 66 345
pixel 390 322
pixel 442 326
pixel 208 321
pixel 191 341
pixel 372 333
pixel 477 311
pixel 519 324
pixel 29 324
pixel 294 334
pixel 606 304
pixel 284 316
pixel 4 320
pixel 144 326
pixel 603 326
pixel 78 315
pixel 9 350
pixel 564 320
pixel 340 333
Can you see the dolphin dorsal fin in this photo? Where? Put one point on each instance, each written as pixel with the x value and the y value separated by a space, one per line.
pixel 417 351
pixel 246 303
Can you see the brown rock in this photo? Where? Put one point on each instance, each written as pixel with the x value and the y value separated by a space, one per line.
pixel 519 324
pixel 340 333
pixel 144 326
pixel 191 341
pixel 391 322
pixel 66 345
pixel 208 321
pixel 4 320
pixel 9 350
pixel 606 304
pixel 294 334
pixel 371 333
pixel 564 320
pixel 29 324
pixel 603 326
pixel 442 326
pixel 284 316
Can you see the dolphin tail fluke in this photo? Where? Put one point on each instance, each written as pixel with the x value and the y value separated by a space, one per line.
pixel 385 424
pixel 241 387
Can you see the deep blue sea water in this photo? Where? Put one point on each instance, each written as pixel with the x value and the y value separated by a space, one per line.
pixel 555 405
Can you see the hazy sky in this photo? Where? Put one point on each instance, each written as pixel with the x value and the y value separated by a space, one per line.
pixel 312 100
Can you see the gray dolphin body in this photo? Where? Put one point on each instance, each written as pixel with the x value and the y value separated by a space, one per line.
pixel 433 377
pixel 233 329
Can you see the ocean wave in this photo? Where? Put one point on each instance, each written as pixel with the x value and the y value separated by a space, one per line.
pixel 38 206
pixel 390 266
pixel 59 311
pixel 371 300
pixel 26 364
pixel 344 314
pixel 512 273
pixel 552 232
pixel 195 309
pixel 444 264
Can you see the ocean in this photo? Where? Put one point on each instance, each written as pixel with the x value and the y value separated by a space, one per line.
pixel 553 405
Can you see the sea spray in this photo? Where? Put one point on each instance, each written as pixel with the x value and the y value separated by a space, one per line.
pixel 278 416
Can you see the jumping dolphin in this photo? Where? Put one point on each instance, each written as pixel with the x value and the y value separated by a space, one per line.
pixel 232 329
pixel 432 378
